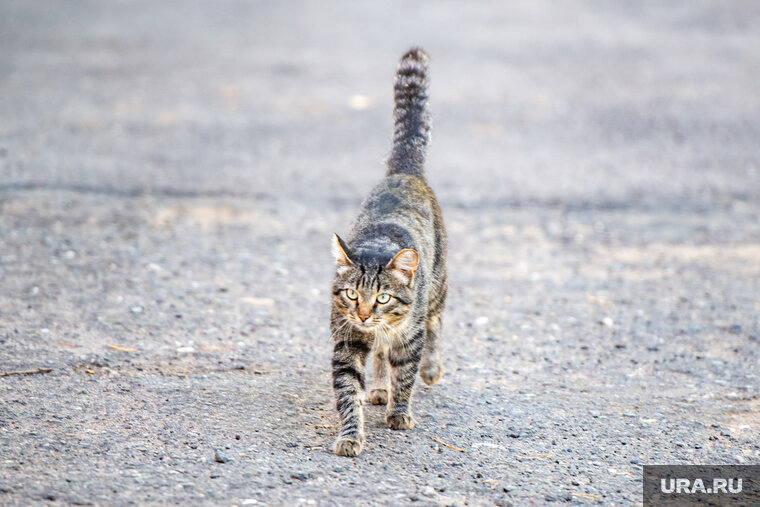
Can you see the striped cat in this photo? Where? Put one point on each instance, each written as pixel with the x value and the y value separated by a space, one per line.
pixel 390 281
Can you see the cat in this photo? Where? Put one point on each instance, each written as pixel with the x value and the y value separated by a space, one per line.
pixel 390 280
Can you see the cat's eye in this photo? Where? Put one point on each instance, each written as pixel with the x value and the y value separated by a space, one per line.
pixel 351 294
pixel 383 298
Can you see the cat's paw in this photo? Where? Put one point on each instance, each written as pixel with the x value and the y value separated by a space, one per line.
pixel 378 396
pixel 431 372
pixel 348 447
pixel 399 421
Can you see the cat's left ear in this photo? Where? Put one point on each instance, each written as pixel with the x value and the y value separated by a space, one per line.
pixel 341 252
pixel 405 262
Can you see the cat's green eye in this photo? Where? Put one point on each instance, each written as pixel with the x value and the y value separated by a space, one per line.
pixel 383 298
pixel 351 294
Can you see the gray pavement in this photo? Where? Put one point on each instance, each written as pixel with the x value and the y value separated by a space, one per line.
pixel 171 174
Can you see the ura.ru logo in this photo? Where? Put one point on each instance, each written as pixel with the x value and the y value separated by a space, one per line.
pixel 687 486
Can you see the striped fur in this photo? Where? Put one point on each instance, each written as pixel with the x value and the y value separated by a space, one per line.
pixel 390 283
pixel 411 118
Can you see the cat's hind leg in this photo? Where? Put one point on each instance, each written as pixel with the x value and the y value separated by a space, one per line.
pixel 431 367
pixel 379 393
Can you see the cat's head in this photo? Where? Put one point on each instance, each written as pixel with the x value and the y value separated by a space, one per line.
pixel 371 291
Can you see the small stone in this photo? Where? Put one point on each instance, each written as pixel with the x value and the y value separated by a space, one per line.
pixel 136 309
pixel 725 433
pixel 299 476
pixel 359 102
pixel 185 350
pixel 260 302
pixel 736 328
pixel 680 444
pixel 338 470
pixel 607 321
pixel 220 457
pixel 428 491
pixel 481 321
pixel 215 475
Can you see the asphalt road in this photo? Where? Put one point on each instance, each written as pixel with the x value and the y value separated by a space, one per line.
pixel 171 174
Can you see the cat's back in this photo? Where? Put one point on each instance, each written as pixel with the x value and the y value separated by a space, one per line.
pixel 403 210
pixel 403 197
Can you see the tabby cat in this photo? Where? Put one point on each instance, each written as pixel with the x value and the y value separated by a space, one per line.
pixel 390 281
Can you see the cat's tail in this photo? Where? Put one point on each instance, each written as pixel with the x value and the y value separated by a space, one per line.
pixel 411 118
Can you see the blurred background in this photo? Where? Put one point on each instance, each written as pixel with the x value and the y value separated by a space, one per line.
pixel 535 101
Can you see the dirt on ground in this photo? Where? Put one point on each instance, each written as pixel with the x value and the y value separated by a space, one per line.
pixel 171 174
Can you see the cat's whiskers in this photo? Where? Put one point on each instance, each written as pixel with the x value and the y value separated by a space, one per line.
pixel 343 331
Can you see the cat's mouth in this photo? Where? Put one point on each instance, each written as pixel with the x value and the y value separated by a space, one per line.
pixel 366 325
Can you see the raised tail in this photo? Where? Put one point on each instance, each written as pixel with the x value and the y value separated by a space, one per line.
pixel 411 118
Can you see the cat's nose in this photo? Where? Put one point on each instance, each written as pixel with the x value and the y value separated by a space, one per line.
pixel 362 317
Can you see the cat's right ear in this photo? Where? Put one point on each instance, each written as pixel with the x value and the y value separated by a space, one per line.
pixel 341 252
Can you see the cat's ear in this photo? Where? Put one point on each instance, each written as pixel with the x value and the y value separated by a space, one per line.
pixel 341 252
pixel 405 263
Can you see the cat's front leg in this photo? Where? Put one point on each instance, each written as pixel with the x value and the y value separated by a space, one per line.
pixel 404 359
pixel 349 355
pixel 379 393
